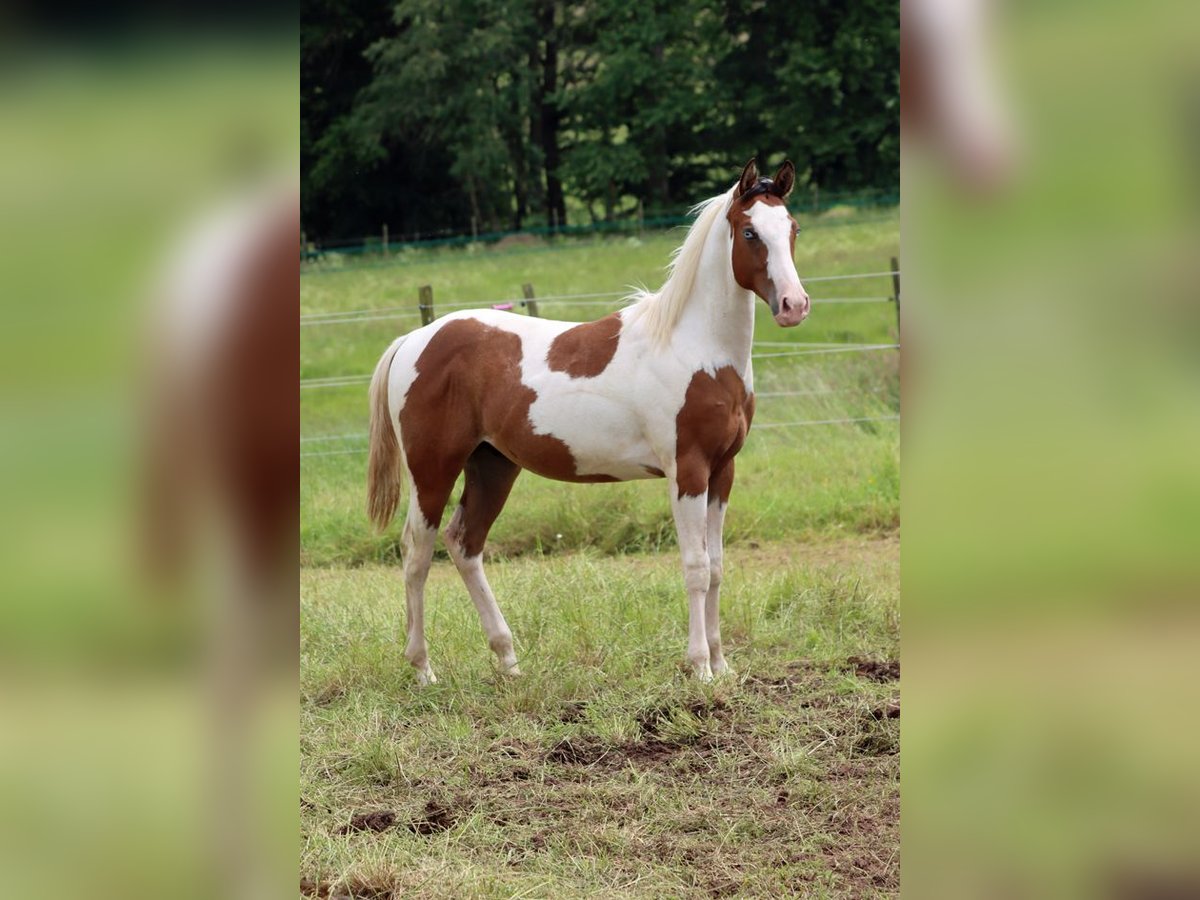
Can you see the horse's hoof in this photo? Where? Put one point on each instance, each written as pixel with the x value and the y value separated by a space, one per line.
pixel 426 677
pixel 513 671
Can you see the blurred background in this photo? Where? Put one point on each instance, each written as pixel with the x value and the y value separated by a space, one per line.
pixel 1050 483
pixel 129 133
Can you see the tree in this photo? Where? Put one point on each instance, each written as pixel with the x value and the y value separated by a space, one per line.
pixel 444 115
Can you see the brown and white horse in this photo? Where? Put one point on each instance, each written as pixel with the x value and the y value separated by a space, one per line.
pixel 661 389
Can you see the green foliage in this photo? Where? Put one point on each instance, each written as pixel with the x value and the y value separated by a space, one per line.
pixel 484 112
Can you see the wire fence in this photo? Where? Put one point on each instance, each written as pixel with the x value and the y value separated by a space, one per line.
pixel 774 350
pixel 600 298
pixel 803 423
pixel 814 392
pixel 341 381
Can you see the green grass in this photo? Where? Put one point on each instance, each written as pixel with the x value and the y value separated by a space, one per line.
pixel 604 770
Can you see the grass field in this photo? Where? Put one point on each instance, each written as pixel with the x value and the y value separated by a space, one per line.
pixel 603 770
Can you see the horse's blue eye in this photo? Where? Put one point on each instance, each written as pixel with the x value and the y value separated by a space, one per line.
pixel 749 234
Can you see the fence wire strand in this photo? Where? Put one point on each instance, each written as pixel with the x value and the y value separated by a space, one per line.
pixel 389 312
pixel 339 381
pixel 798 424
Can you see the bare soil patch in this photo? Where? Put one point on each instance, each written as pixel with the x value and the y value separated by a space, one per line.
pixel 876 670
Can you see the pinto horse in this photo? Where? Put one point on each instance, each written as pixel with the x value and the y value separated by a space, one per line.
pixel 661 389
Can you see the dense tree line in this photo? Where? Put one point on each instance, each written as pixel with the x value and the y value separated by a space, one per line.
pixel 433 114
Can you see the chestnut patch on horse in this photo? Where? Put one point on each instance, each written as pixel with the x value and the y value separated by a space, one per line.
pixel 490 476
pixel 474 371
pixel 585 350
pixel 710 428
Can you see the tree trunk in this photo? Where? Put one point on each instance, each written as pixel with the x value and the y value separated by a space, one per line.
pixel 520 183
pixel 537 190
pixel 556 208
pixel 660 175
pixel 474 196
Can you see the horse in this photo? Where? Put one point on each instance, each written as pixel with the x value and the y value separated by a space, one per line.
pixel 662 388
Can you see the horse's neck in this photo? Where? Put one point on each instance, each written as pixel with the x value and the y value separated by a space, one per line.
pixel 718 319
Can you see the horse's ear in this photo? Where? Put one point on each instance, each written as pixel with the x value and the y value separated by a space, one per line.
pixel 749 177
pixel 784 179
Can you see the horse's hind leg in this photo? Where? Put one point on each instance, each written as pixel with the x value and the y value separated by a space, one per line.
pixel 430 490
pixel 489 478
pixel 418 541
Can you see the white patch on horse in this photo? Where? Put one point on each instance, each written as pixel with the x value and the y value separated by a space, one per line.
pixel 774 227
pixel 691 523
pixel 599 419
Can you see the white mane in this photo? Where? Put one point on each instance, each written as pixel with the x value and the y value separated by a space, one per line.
pixel 659 311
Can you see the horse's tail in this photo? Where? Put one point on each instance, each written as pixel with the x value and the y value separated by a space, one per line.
pixel 384 467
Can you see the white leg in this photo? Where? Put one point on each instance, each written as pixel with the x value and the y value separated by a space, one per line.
pixel 418 553
pixel 712 604
pixel 499 636
pixel 691 525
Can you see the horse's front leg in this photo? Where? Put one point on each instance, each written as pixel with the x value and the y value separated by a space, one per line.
pixel 691 525
pixel 718 499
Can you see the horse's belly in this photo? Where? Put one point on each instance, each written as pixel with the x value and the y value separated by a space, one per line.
pixel 583 437
pixel 622 458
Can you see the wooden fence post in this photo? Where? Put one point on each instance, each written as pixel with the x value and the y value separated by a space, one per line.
pixel 529 303
pixel 385 239
pixel 425 303
pixel 896 294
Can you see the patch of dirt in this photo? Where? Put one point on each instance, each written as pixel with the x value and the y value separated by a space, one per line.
pixel 352 890
pixel 573 712
pixel 377 820
pixel 650 751
pixel 878 741
pixel 437 817
pixel 875 670
pixel 590 752
pixel 776 682
pixel 723 887
pixel 651 721
pixel 578 751
pixel 887 711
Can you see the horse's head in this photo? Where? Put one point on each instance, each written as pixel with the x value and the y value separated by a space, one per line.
pixel 764 238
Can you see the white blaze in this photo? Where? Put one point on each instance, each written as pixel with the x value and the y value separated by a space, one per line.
pixel 774 227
